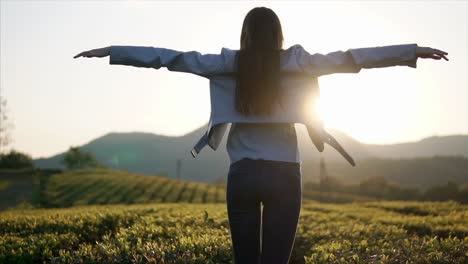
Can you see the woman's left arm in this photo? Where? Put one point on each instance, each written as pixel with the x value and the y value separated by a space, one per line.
pixel 151 57
pixel 393 55
pixel 353 60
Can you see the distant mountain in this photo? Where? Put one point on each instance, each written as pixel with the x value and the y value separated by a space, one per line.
pixel 152 154
pixel 456 145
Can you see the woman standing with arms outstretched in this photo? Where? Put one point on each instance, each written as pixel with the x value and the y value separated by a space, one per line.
pixel 265 165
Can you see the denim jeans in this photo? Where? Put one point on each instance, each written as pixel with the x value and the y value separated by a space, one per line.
pixel 263 236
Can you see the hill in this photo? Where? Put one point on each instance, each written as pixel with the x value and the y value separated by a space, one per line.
pixel 152 154
pixel 104 186
pixel 420 173
pixel 455 145
pixel 55 189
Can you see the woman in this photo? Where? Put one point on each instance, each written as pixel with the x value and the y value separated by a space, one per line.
pixel 265 166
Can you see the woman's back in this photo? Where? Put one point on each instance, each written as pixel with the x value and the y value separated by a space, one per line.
pixel 268 141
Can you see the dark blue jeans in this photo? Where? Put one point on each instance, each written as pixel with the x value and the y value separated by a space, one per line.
pixel 263 236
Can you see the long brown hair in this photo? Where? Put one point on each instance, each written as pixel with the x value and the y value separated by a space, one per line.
pixel 258 62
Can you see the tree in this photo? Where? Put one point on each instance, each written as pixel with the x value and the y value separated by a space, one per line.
pixel 5 125
pixel 15 160
pixel 76 159
pixel 442 193
pixel 374 186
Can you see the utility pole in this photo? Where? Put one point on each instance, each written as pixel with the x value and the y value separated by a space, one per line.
pixel 323 171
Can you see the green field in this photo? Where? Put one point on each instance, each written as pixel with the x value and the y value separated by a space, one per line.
pixel 372 232
pixel 105 186
pixel 3 184
pixel 110 216
pixel 17 186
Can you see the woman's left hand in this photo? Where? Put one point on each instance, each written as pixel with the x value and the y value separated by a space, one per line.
pixel 102 52
pixel 430 53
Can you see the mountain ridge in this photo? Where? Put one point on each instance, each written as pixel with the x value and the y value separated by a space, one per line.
pixel 152 154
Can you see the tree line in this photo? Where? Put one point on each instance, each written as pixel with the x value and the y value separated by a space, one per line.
pixel 380 188
pixel 74 159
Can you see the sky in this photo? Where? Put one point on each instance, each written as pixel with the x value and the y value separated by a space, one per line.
pixel 56 101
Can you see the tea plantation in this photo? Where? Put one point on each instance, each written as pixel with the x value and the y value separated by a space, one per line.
pixel 105 186
pixel 371 232
pixel 110 216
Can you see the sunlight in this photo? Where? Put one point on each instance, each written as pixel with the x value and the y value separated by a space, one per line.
pixel 369 110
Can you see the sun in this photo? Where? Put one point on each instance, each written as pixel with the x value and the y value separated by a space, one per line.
pixel 367 110
pixel 344 109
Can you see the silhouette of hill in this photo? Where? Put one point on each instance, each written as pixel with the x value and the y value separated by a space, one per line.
pixel 152 154
pixel 422 173
pixel 455 145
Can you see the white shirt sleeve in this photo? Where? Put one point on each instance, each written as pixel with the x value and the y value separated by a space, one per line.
pixel 152 57
pixel 353 60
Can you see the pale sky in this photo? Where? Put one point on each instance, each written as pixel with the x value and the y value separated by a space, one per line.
pixel 56 101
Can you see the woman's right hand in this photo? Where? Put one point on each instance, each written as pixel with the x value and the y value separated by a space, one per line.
pixel 102 52
pixel 430 53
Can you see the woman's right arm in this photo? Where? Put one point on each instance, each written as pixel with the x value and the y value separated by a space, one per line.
pixel 353 60
pixel 152 57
